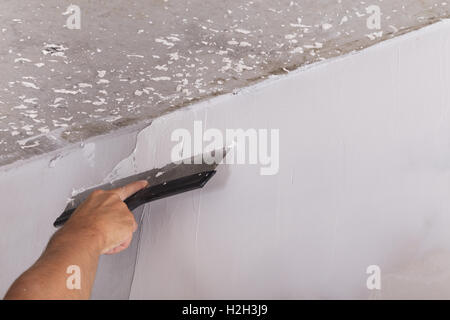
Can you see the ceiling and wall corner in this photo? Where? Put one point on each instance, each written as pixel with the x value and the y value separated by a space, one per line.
pixel 133 61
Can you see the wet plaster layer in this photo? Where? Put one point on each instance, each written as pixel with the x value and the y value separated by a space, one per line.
pixel 363 180
pixel 133 61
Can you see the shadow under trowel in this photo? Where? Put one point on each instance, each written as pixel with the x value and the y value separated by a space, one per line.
pixel 115 272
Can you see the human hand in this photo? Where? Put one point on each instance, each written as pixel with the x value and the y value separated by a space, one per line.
pixel 106 219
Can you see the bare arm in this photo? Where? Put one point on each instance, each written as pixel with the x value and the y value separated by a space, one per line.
pixel 101 225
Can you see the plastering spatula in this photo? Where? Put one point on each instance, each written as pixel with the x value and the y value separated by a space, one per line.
pixel 170 180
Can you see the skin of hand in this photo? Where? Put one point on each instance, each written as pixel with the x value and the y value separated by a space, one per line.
pixel 101 225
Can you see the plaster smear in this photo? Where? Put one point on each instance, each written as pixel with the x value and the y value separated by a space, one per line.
pixel 363 180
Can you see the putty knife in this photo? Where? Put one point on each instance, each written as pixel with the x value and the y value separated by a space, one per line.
pixel 164 182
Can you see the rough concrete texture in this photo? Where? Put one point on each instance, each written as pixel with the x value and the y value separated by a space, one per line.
pixel 132 61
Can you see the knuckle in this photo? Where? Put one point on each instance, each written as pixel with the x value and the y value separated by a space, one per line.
pixel 122 206
pixel 114 197
pixel 129 216
pixel 96 193
pixel 131 220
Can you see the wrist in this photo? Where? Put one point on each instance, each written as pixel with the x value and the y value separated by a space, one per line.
pixel 87 238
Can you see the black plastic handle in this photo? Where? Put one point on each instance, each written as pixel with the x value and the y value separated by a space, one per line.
pixel 152 193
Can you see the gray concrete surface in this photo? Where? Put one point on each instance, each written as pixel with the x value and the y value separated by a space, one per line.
pixel 132 61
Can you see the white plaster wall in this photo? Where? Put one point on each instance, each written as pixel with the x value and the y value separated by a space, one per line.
pixel 363 180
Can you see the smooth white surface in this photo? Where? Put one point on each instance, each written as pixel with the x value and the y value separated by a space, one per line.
pixel 364 180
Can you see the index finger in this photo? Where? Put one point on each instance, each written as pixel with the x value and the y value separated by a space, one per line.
pixel 130 189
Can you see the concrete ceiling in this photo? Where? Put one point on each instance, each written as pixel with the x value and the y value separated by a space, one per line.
pixel 132 61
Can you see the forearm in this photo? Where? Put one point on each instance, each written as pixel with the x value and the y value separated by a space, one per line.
pixel 103 224
pixel 47 278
